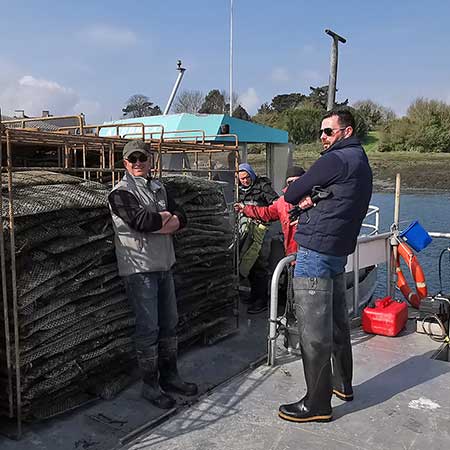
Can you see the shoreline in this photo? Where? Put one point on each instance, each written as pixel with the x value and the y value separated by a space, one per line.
pixel 421 173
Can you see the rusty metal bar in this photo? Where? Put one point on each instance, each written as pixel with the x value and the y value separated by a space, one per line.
pixel 83 155
pixel 80 119
pixel 234 136
pixel 61 169
pixel 202 132
pixel 102 163
pixel 5 294
pixel 210 167
pixel 111 164
pixel 14 287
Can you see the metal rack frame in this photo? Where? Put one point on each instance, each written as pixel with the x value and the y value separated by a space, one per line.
pixel 79 150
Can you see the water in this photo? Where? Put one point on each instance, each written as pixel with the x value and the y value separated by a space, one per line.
pixel 433 213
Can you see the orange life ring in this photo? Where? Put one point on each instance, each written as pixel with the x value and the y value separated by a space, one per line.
pixel 417 273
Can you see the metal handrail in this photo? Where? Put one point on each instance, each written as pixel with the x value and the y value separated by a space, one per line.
pixel 234 136
pixel 287 260
pixel 80 119
pixel 436 234
pixel 273 310
pixel 372 211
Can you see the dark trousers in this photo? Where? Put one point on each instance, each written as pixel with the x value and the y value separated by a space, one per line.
pixel 152 297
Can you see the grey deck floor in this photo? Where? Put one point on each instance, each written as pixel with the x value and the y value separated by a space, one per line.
pixel 402 401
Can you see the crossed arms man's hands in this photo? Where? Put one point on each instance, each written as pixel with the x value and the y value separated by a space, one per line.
pixel 170 223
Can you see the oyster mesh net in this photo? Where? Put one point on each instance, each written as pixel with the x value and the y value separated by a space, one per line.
pixel 75 323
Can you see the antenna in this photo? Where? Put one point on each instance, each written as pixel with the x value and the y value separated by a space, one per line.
pixel 181 71
pixel 231 57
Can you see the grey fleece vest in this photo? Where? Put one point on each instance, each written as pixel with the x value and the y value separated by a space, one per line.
pixel 142 252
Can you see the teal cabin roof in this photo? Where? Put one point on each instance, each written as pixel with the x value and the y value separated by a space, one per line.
pixel 247 132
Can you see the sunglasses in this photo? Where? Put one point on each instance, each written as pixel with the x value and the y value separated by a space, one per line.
pixel 135 158
pixel 330 131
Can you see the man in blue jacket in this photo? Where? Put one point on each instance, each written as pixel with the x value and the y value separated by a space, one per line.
pixel 327 233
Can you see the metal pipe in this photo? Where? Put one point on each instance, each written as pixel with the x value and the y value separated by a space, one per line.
pixel 175 87
pixel 14 287
pixel 333 67
pixel 112 164
pixel 80 119
pixel 83 155
pixel 394 238
pixel 389 266
pixel 231 58
pixel 235 153
pixel 356 282
pixel 273 311
pixel 5 292
pixel 439 235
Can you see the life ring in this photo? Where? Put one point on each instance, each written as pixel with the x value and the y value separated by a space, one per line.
pixel 417 273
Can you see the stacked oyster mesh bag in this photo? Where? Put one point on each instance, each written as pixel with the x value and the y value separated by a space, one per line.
pixel 205 280
pixel 75 325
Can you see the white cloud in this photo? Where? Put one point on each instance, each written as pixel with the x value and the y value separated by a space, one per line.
pixel 33 95
pixel 280 74
pixel 90 108
pixel 108 35
pixel 250 100
pixel 29 81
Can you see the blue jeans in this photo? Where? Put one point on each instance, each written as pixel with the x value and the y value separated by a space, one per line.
pixel 152 297
pixel 312 264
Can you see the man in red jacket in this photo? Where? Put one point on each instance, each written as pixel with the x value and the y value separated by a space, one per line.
pixel 278 210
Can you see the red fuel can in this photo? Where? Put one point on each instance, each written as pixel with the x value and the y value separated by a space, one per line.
pixel 387 318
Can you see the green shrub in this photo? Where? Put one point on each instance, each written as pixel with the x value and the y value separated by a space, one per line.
pixel 302 124
pixel 426 128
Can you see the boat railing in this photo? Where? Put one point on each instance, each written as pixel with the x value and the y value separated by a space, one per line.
pixel 373 228
pixel 435 234
pixel 371 249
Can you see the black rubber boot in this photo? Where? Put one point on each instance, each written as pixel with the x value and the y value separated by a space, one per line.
pixel 314 311
pixel 257 307
pixel 151 390
pixel 342 360
pixel 170 379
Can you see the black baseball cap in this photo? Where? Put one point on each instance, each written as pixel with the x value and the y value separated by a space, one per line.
pixel 135 146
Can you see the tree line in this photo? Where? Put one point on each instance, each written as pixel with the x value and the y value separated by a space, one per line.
pixel 424 128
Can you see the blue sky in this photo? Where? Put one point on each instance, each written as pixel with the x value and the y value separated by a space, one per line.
pixel 91 56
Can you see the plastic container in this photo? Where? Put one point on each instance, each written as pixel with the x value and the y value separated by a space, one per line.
pixel 387 318
pixel 416 236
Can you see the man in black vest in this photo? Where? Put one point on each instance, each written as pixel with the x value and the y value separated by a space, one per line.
pixel 327 233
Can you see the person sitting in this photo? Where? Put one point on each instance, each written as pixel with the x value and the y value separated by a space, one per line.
pixel 278 210
pixel 255 191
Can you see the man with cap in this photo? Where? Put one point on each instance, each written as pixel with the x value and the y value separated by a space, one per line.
pixel 144 219
pixel 256 191
pixel 278 210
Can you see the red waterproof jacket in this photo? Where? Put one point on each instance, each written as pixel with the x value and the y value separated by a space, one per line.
pixel 278 210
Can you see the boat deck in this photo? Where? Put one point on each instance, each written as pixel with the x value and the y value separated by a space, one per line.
pixel 402 401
